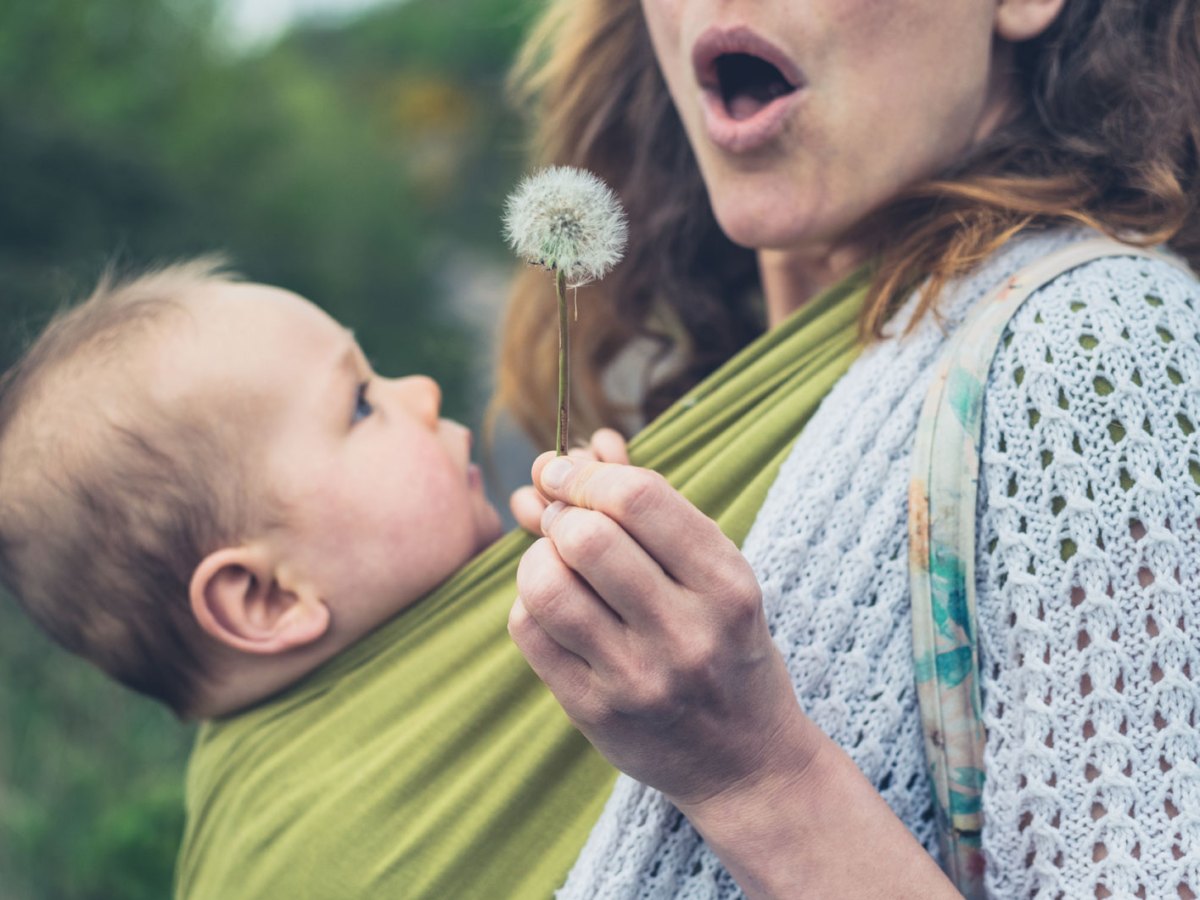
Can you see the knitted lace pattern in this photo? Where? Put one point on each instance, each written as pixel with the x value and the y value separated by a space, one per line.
pixel 1088 583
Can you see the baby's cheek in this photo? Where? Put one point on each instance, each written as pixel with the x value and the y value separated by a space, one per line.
pixel 443 521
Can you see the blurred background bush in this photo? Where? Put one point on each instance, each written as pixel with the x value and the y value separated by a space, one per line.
pixel 360 161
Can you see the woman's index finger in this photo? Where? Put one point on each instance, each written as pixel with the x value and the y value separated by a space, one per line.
pixel 677 535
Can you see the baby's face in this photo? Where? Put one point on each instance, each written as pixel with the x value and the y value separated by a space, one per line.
pixel 379 499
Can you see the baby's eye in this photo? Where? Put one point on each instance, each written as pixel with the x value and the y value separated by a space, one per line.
pixel 362 406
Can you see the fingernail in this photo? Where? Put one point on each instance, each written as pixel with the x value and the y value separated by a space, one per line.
pixel 556 472
pixel 550 513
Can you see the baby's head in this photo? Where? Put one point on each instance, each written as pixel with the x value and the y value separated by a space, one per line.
pixel 206 491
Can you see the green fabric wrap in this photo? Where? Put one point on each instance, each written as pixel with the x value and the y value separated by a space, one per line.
pixel 428 760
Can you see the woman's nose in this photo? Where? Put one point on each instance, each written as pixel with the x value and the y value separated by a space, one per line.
pixel 421 396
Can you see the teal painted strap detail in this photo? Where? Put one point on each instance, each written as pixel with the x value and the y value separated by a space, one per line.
pixel 941 530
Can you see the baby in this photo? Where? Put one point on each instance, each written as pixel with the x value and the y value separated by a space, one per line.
pixel 206 491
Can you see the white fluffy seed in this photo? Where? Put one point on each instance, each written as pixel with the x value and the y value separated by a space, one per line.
pixel 568 220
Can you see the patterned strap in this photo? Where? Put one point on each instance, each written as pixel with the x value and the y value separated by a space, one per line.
pixel 941 530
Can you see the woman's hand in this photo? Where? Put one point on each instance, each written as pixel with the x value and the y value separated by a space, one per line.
pixel 528 504
pixel 647 624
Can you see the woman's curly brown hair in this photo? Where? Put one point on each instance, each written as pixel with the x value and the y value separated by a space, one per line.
pixel 1108 136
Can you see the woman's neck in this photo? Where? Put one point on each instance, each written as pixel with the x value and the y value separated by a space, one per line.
pixel 791 278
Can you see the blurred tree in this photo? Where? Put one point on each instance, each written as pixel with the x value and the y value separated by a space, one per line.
pixel 351 163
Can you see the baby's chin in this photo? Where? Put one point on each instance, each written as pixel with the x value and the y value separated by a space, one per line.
pixel 490 527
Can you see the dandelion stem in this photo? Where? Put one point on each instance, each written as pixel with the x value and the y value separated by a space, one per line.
pixel 564 356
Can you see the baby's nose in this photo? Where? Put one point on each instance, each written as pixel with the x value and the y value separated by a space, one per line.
pixel 422 396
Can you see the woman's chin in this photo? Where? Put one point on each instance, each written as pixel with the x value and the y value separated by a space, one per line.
pixel 756 228
pixel 798 224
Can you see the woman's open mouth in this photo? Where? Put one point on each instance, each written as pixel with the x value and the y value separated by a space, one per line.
pixel 748 85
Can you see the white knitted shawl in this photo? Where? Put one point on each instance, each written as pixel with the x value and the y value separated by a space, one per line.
pixel 1088 582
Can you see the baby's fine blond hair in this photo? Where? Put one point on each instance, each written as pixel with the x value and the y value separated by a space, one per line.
pixel 108 500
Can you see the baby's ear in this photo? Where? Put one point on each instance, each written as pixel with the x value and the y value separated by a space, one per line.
pixel 1023 20
pixel 239 598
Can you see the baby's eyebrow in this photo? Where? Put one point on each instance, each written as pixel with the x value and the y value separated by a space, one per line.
pixel 350 334
pixel 354 350
pixel 345 369
pixel 347 361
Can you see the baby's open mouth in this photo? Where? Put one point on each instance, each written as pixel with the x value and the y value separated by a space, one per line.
pixel 748 83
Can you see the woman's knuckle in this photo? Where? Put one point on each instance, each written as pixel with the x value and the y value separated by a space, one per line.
pixel 590 710
pixel 518 624
pixel 743 597
pixel 747 600
pixel 648 693
pixel 539 599
pixel 638 491
pixel 539 581
pixel 697 658
pixel 580 535
pixel 643 700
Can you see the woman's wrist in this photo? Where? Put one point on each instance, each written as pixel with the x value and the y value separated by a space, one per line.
pixel 810 823
pixel 758 826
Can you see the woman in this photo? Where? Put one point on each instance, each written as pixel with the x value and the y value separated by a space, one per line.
pixel 769 697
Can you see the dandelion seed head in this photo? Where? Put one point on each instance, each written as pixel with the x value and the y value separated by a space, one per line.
pixel 566 219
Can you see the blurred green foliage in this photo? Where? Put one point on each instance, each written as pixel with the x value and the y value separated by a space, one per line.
pixel 346 162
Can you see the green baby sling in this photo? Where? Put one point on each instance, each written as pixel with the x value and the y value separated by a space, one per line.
pixel 427 760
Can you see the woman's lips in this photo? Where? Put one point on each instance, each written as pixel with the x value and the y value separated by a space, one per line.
pixel 742 123
pixel 744 135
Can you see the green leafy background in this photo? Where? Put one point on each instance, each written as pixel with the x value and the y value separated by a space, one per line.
pixel 361 163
